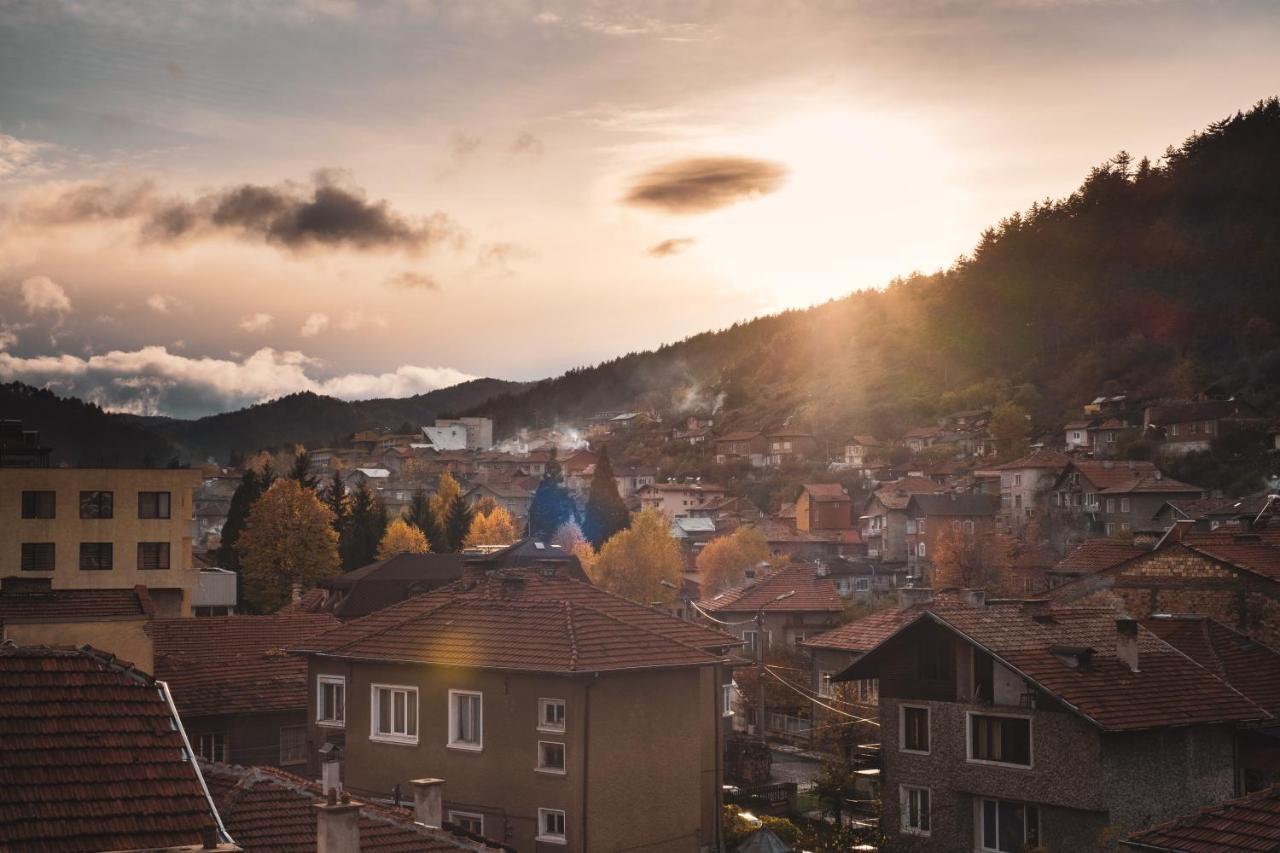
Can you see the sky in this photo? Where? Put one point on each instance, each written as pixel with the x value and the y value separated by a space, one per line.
pixel 203 206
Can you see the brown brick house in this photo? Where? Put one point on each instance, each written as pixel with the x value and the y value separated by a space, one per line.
pixel 546 704
pixel 1006 726
pixel 742 446
pixel 1104 497
pixel 884 517
pixel 824 506
pixel 960 519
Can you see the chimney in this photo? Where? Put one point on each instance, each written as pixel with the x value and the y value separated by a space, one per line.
pixel 330 768
pixel 1127 642
pixel 910 596
pixel 295 593
pixel 976 598
pixel 337 824
pixel 428 801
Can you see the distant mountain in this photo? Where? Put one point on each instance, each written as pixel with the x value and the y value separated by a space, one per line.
pixel 81 433
pixel 1155 279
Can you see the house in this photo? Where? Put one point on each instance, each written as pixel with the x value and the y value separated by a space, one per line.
pixel 1078 435
pixel 1192 425
pixel 788 446
pixel 1110 435
pixel 736 447
pixel 632 479
pixel 1090 557
pixel 677 499
pixel 824 506
pixel 692 533
pixel 33 613
pixel 1103 497
pixel 268 810
pixel 548 558
pixel 512 497
pixel 863 578
pixel 478 431
pixel 858 451
pixel 946 519
pixel 1025 485
pixel 217 592
pixel 786 543
pixel 1216 511
pixel 94 757
pixel 362 591
pixel 884 517
pixel 780 609
pixel 527 690
pixel 1246 823
pixel 242 699
pixel 1010 726
pixel 918 438
pixel 102 528
pixel 21 448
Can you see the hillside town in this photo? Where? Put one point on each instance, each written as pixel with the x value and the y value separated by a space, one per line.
pixel 965 636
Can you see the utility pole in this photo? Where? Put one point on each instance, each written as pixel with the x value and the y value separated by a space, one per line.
pixel 760 721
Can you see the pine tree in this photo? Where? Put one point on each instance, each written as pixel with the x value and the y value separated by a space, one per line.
pixel 422 516
pixel 552 505
pixel 242 501
pixel 606 513
pixel 458 523
pixel 365 530
pixel 301 472
pixel 339 503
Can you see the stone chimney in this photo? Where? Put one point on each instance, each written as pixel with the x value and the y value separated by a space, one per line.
pixel 428 801
pixel 1127 642
pixel 910 596
pixel 337 825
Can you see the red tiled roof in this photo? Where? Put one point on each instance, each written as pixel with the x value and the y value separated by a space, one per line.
pixel 91 757
pixel 312 601
pixel 1246 825
pixel 1125 477
pixel 826 492
pixel 235 664
pixel 38 603
pixel 521 620
pixel 865 440
pixel 895 495
pixel 682 487
pixel 1049 459
pixel 1248 666
pixel 271 811
pixel 1095 555
pixel 863 634
pixel 738 436
pixel 812 593
pixel 1258 558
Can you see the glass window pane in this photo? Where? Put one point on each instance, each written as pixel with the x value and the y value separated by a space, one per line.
pixel 397 706
pixel 989 824
pixel 384 710
pixel 412 704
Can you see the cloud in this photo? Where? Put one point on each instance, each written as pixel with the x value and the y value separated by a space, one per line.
pixel 153 380
pixel 258 322
pixel 702 184
pixel 314 325
pixel 499 256
pixel 526 145
pixel 410 280
pixel 163 303
pixel 463 145
pixel 329 213
pixel 673 246
pixel 41 295
pixel 357 319
pixel 19 157
pixel 8 336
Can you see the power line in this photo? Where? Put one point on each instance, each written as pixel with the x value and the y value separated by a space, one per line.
pixel 815 701
pixel 695 606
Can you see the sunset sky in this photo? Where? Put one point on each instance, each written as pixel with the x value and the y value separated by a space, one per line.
pixel 206 206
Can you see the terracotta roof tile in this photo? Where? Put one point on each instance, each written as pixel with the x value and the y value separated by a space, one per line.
pixel 1125 477
pixel 1248 666
pixel 1246 825
pixel 812 593
pixel 27 602
pixel 863 634
pixel 1095 555
pixel 895 495
pixel 826 492
pixel 91 757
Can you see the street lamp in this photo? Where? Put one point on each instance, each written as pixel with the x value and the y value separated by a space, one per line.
pixel 759 619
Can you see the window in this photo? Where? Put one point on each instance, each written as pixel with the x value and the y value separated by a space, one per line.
pixel 153 555
pixel 915 810
pixel 96 556
pixel 1173 430
pixel 293 745
pixel 920 525
pixel 1093 500
pixel 550 756
pixel 39 504
pixel 911 525
pixel 726 699
pixel 551 825
pixel 1111 438
pixel 468 822
pixel 1003 740
pixel 1110 528
pixel 914 728
pixel 395 714
pixel 153 504
pixel 37 556
pixel 331 700
pixel 867 689
pixel 466 719
pixel 1124 504
pixel 825 690
pixel 1006 827
pixel 1017 501
pixel 1017 479
pixel 551 715
pixel 96 504
pixel 968 523
pixel 1111 504
pixel 862 584
pixel 212 746
pixel 920 550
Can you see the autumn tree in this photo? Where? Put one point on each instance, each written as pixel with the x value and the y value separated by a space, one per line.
pixel 724 560
pixel 605 513
pixel 569 538
pixel 252 484
pixel 421 515
pixel 447 491
pixel 402 538
pixel 635 562
pixel 364 530
pixel 1009 428
pixel 287 546
pixel 495 527
pixel 971 560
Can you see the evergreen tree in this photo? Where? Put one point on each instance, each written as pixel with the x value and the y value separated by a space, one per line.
pixel 422 516
pixel 606 513
pixel 242 501
pixel 335 497
pixel 447 491
pixel 364 531
pixel 458 523
pixel 301 472
pixel 552 505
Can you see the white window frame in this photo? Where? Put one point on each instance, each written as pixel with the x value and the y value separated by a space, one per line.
pixel 920 550
pixel 1124 504
pixel 552 838
pixel 904 794
pixel 392 737
pixel 543 725
pixel 454 817
pixel 868 691
pixel 214 738
pixel 825 689
pixel 862 584
pixel 546 768
pixel 968 740
pixel 902 728
pixel 339 681
pixel 454 743
pixel 980 817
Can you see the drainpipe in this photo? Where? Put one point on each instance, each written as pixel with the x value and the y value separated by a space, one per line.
pixel 586 741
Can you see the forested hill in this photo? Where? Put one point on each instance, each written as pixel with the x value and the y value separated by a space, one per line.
pixel 82 434
pixel 1153 279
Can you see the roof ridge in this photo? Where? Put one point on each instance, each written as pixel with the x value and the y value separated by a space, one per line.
pixel 398 624
pixel 644 628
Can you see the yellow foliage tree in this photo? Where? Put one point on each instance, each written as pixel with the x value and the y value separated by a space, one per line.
pixel 636 561
pixel 401 537
pixel 495 527
pixel 725 559
pixel 446 490
pixel 288 543
pixel 571 539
